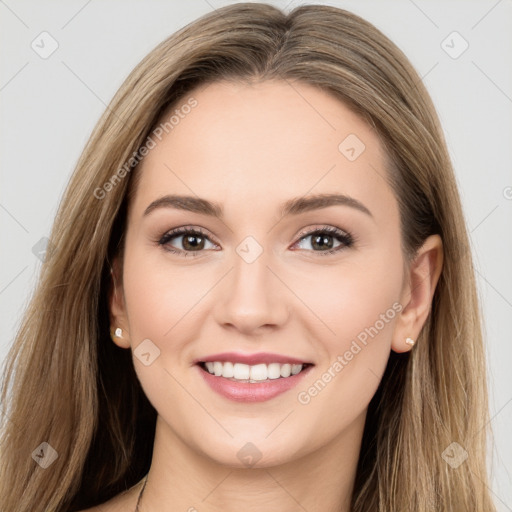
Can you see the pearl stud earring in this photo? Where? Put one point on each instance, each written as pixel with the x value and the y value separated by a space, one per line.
pixel 117 333
pixel 409 341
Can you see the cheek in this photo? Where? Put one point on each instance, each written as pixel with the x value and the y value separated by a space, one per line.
pixel 339 304
pixel 350 297
pixel 360 307
pixel 160 299
pixel 160 294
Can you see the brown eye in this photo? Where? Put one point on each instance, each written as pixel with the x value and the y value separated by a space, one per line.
pixel 327 240
pixel 193 242
pixel 322 241
pixel 185 241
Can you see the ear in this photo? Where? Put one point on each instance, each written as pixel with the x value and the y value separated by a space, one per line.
pixel 418 291
pixel 117 306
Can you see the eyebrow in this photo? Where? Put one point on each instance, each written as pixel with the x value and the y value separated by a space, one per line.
pixel 293 206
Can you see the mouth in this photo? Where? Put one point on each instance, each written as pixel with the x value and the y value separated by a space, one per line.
pixel 258 382
pixel 253 374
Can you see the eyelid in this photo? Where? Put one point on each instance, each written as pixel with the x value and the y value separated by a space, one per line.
pixel 183 230
pixel 163 240
pixel 322 229
pixel 345 237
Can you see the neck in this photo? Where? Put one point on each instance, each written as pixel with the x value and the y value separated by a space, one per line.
pixel 184 479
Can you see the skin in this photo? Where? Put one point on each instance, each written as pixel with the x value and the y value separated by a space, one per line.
pixel 250 148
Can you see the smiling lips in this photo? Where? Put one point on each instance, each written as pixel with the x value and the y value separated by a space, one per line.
pixel 256 373
pixel 251 378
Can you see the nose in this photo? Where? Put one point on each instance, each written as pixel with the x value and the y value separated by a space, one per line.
pixel 252 298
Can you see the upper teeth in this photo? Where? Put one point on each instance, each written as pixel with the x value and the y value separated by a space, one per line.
pixel 257 372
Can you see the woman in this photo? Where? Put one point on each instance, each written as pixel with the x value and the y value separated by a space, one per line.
pixel 261 295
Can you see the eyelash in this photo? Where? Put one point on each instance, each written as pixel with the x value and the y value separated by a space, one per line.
pixel 344 237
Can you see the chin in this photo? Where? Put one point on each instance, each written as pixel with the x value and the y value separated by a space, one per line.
pixel 258 453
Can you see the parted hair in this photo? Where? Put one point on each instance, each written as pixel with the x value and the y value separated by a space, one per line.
pixel 66 383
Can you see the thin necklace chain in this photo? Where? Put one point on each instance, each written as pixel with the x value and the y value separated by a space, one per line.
pixel 140 494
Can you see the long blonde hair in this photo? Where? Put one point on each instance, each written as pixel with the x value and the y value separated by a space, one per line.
pixel 67 384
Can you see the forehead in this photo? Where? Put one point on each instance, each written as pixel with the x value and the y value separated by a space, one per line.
pixel 264 143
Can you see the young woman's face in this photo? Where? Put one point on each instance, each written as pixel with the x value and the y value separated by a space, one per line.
pixel 218 267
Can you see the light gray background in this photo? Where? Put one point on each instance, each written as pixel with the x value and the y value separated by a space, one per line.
pixel 49 107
